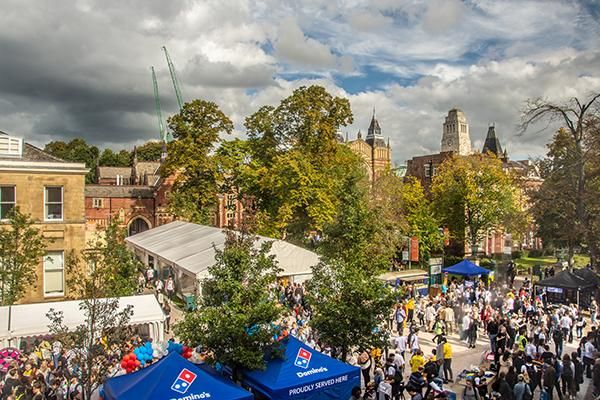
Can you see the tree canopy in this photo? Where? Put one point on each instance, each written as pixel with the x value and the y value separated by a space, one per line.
pixel 77 150
pixel 197 129
pixel 473 195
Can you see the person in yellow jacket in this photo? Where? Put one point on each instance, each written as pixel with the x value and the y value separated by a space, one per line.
pixel 416 361
pixel 447 349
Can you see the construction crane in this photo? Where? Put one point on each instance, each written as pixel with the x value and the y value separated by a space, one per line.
pixel 174 79
pixel 161 126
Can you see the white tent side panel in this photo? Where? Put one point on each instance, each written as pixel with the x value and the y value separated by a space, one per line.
pixel 31 319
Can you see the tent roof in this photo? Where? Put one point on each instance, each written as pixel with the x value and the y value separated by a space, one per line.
pixel 31 320
pixel 191 247
pixel 588 275
pixel 466 268
pixel 159 381
pixel 566 280
pixel 304 370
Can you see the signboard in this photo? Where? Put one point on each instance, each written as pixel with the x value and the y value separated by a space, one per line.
pixel 436 269
pixel 404 255
pixel 554 290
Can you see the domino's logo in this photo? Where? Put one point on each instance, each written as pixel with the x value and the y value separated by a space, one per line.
pixel 303 358
pixel 184 381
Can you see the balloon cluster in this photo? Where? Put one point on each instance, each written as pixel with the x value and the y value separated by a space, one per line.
pixel 144 353
pixel 130 363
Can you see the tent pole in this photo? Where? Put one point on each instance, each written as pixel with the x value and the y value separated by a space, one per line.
pixel 577 298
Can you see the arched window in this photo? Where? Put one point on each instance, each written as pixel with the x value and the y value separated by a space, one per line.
pixel 137 225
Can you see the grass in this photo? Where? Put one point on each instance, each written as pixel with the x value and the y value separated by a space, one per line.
pixel 527 262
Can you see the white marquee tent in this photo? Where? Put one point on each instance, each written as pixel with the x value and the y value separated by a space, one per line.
pixel 30 320
pixel 189 249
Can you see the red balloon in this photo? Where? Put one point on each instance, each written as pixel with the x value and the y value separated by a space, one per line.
pixel 137 363
pixel 123 364
pixel 132 356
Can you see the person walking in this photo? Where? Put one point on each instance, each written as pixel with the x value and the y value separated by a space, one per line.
pixel 449 320
pixel 447 355
pixel 549 379
pixel 521 390
pixel 170 287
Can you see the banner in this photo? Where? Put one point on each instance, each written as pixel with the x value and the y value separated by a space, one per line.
pixel 414 249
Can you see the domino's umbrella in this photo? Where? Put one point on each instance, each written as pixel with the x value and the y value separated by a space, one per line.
pixel 304 374
pixel 172 377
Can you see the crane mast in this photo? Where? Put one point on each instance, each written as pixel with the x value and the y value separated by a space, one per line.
pixel 161 127
pixel 174 78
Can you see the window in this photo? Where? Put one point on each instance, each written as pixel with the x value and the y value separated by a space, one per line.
pixel 427 167
pixel 7 200
pixel 54 273
pixel 97 202
pixel 54 202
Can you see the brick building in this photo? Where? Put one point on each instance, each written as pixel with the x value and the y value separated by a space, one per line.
pixel 51 190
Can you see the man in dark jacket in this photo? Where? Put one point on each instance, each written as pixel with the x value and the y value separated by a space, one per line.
pixel 504 388
pixel 549 379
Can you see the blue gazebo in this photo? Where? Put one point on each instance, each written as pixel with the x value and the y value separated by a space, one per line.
pixel 466 268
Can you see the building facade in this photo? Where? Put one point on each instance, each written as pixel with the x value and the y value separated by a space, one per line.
pixel 51 190
pixel 376 154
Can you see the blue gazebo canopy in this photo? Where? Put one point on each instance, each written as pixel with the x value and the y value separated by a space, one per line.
pixel 170 378
pixel 304 374
pixel 466 268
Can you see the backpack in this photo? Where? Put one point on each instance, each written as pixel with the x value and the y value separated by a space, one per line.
pixel 533 378
pixel 398 376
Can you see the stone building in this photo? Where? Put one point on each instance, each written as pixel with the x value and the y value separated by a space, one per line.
pixel 455 137
pixel 51 190
pixel 373 149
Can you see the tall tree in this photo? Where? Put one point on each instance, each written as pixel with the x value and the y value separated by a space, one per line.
pixel 150 151
pixel 553 205
pixel 21 249
pixel 109 158
pixel 421 219
pixel 77 150
pixel 197 129
pixel 236 318
pixel 296 166
pixel 575 115
pixel 113 268
pixel 350 306
pixel 473 195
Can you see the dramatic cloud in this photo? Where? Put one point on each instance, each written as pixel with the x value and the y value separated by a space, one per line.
pixel 82 68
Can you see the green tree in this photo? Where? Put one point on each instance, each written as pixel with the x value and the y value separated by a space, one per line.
pixel 109 158
pixel 553 203
pixel 197 129
pixel 21 249
pixel 77 150
pixel 369 226
pixel 109 268
pixel 236 317
pixel 296 166
pixel 421 219
pixel 350 306
pixel 150 151
pixel 579 119
pixel 473 195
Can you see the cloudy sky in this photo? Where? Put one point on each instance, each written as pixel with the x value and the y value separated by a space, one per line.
pixel 82 67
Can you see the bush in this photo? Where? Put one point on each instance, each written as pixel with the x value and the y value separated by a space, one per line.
pixel 535 253
pixel 516 254
pixel 451 260
pixel 487 263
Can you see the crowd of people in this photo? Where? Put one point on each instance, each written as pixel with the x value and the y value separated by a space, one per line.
pixel 526 345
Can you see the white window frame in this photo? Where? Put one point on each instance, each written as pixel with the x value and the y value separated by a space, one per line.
pixel 62 203
pixel 97 202
pixel 14 203
pixel 54 294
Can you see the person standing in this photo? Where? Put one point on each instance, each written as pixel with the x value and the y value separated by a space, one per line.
pixel 167 311
pixel 449 320
pixel 588 356
pixel 549 379
pixel 558 338
pixel 400 317
pixel 593 312
pixel 492 331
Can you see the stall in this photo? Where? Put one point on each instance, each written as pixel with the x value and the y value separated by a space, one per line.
pixel 29 320
pixel 303 373
pixel 416 277
pixel 567 287
pixel 185 251
pixel 173 377
pixel 467 268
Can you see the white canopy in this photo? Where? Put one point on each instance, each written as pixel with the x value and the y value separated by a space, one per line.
pixel 191 247
pixel 25 320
